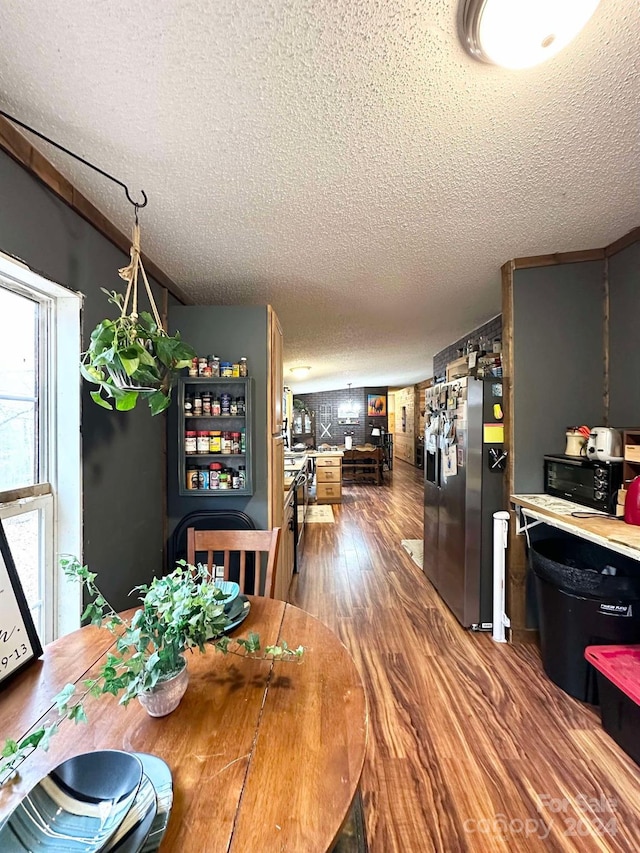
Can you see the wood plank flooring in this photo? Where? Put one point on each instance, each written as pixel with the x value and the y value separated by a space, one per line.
pixel 471 747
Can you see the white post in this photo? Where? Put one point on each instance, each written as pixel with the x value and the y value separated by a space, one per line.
pixel 500 536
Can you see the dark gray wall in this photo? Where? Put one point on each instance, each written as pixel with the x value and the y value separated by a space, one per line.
pixel 558 361
pixel 488 331
pixel 229 332
pixel 624 352
pixel 335 399
pixel 122 471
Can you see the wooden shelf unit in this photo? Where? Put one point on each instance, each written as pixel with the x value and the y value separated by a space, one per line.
pixel 631 455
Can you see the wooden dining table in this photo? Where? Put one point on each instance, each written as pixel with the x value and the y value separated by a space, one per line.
pixel 265 755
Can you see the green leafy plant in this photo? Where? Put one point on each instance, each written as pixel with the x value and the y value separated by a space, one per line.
pixel 132 357
pixel 181 612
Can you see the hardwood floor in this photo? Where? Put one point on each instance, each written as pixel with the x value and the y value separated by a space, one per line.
pixel 471 747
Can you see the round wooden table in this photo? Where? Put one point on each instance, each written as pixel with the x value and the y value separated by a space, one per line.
pixel 265 756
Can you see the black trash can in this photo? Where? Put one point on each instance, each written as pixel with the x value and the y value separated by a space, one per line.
pixel 587 596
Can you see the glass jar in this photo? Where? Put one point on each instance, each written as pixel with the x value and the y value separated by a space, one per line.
pixel 225 404
pixel 188 405
pixel 233 406
pixel 206 403
pixel 192 476
pixel 244 368
pixel 215 441
pixel 226 369
pixel 202 441
pixel 214 364
pixel 202 363
pixel 215 407
pixel 197 405
pixel 241 405
pixel 235 480
pixel 226 442
pixel 235 442
pixel 243 441
pixel 224 480
pixel 242 474
pixel 193 367
pixel 190 443
pixel 214 476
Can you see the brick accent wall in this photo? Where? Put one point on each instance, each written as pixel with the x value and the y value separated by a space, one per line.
pixel 490 330
pixel 325 405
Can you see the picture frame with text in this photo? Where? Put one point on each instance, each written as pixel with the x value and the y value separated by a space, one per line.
pixel 19 642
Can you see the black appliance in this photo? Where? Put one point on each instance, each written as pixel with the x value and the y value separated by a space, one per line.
pixel 592 484
pixel 300 505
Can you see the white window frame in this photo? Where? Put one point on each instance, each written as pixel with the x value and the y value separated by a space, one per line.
pixel 60 459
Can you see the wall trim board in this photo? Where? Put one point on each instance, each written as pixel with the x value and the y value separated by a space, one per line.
pixel 558 258
pixel 13 143
pixel 623 242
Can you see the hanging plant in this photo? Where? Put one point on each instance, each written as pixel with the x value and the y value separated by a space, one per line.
pixel 132 357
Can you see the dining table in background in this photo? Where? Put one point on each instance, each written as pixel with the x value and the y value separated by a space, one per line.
pixel 265 755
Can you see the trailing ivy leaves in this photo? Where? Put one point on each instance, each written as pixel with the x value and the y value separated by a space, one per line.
pixel 180 612
pixel 131 358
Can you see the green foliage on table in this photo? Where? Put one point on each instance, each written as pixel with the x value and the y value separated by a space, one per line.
pixel 180 612
pixel 133 351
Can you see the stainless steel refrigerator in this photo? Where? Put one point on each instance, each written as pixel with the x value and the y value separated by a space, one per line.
pixel 462 424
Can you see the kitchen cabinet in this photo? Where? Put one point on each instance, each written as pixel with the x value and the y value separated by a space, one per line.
pixel 237 422
pixel 631 455
pixel 287 549
pixel 328 478
pixel 276 377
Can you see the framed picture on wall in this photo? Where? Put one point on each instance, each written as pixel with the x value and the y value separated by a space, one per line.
pixel 19 643
pixel 376 405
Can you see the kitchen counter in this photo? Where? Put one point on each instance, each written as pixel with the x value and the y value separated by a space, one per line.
pixel 293 464
pixel 609 532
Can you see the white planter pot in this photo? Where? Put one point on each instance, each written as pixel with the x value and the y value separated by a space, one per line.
pixel 166 695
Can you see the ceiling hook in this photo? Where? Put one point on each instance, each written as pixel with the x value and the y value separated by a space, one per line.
pixel 80 159
pixel 136 204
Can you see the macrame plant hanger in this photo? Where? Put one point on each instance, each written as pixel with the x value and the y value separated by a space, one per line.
pixel 135 266
pixel 130 275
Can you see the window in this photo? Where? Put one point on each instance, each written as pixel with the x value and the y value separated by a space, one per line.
pixel 40 485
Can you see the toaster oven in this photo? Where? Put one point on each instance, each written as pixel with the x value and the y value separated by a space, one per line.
pixel 593 484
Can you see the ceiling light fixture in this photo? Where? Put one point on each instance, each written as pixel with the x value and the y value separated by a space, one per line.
pixel 300 372
pixel 520 33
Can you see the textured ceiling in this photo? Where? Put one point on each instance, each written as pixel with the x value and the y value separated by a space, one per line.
pixel 345 161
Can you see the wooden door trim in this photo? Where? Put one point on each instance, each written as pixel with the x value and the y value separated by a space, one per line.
pixel 623 242
pixel 555 258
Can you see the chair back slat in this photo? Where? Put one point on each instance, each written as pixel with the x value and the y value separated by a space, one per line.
pixel 241 542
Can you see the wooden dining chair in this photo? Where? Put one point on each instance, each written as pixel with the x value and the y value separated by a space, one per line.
pixel 243 543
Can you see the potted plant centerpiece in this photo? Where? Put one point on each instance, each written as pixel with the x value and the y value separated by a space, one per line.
pixel 132 356
pixel 180 613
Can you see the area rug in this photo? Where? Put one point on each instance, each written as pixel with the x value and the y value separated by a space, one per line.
pixel 353 839
pixel 321 513
pixel 415 549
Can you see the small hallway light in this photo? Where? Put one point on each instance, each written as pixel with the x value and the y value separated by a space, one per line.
pixel 300 372
pixel 521 33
